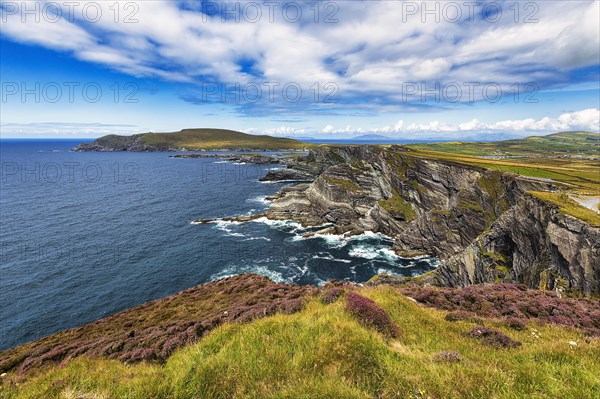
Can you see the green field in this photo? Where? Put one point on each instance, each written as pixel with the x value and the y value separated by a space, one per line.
pixel 570 160
pixel 324 352
pixel 569 144
pixel 577 175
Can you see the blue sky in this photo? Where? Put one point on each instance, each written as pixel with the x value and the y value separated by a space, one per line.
pixel 322 69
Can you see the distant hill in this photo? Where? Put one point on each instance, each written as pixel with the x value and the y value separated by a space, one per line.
pixel 192 140
pixel 579 144
pixel 371 137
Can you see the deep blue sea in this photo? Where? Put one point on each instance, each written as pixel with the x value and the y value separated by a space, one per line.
pixel 84 235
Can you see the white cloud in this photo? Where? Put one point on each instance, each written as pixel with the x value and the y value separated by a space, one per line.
pixel 370 51
pixel 276 131
pixel 327 129
pixel 587 119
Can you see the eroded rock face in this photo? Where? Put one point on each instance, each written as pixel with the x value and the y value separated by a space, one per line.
pixel 480 223
pixel 533 244
pixel 429 207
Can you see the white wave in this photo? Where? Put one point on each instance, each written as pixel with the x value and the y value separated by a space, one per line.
pixel 279 224
pixel 225 227
pixel 369 235
pixel 389 272
pixel 330 257
pixel 235 235
pixel 372 252
pixel 281 181
pixel 257 269
pixel 333 240
pixel 221 224
pixel 260 199
pixel 337 241
pixel 257 238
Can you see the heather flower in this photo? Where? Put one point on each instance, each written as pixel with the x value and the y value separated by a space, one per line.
pixel 370 314
pixel 332 294
pixel 512 301
pixel 493 338
pixel 464 316
pixel 516 323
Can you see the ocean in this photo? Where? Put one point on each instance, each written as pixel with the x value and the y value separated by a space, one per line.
pixel 85 235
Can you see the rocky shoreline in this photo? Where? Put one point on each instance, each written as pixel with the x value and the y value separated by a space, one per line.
pixel 481 224
pixel 141 147
pixel 241 158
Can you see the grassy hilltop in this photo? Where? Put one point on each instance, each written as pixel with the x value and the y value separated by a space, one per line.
pixel 355 342
pixel 192 139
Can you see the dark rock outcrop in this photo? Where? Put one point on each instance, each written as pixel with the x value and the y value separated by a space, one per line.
pixel 287 175
pixel 242 158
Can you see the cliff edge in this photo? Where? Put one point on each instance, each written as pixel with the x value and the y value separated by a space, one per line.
pixel 484 225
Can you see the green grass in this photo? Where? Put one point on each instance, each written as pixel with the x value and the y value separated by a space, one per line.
pixel 579 175
pixel 584 144
pixel 347 185
pixel 206 139
pixel 397 205
pixel 569 206
pixel 568 157
pixel 322 352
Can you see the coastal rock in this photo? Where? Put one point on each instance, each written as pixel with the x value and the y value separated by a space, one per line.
pixel 287 175
pixel 533 244
pixel 241 219
pixel 481 224
pixel 241 158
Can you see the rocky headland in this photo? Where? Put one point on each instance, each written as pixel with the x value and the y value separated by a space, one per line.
pixel 483 225
pixel 191 140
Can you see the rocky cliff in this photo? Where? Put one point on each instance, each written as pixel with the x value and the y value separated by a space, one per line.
pixel 482 224
pixel 534 244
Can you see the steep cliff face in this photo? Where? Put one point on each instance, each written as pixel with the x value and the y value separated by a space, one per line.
pixel 534 244
pixel 480 223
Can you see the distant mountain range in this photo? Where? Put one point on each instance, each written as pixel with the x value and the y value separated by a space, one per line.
pixel 370 137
